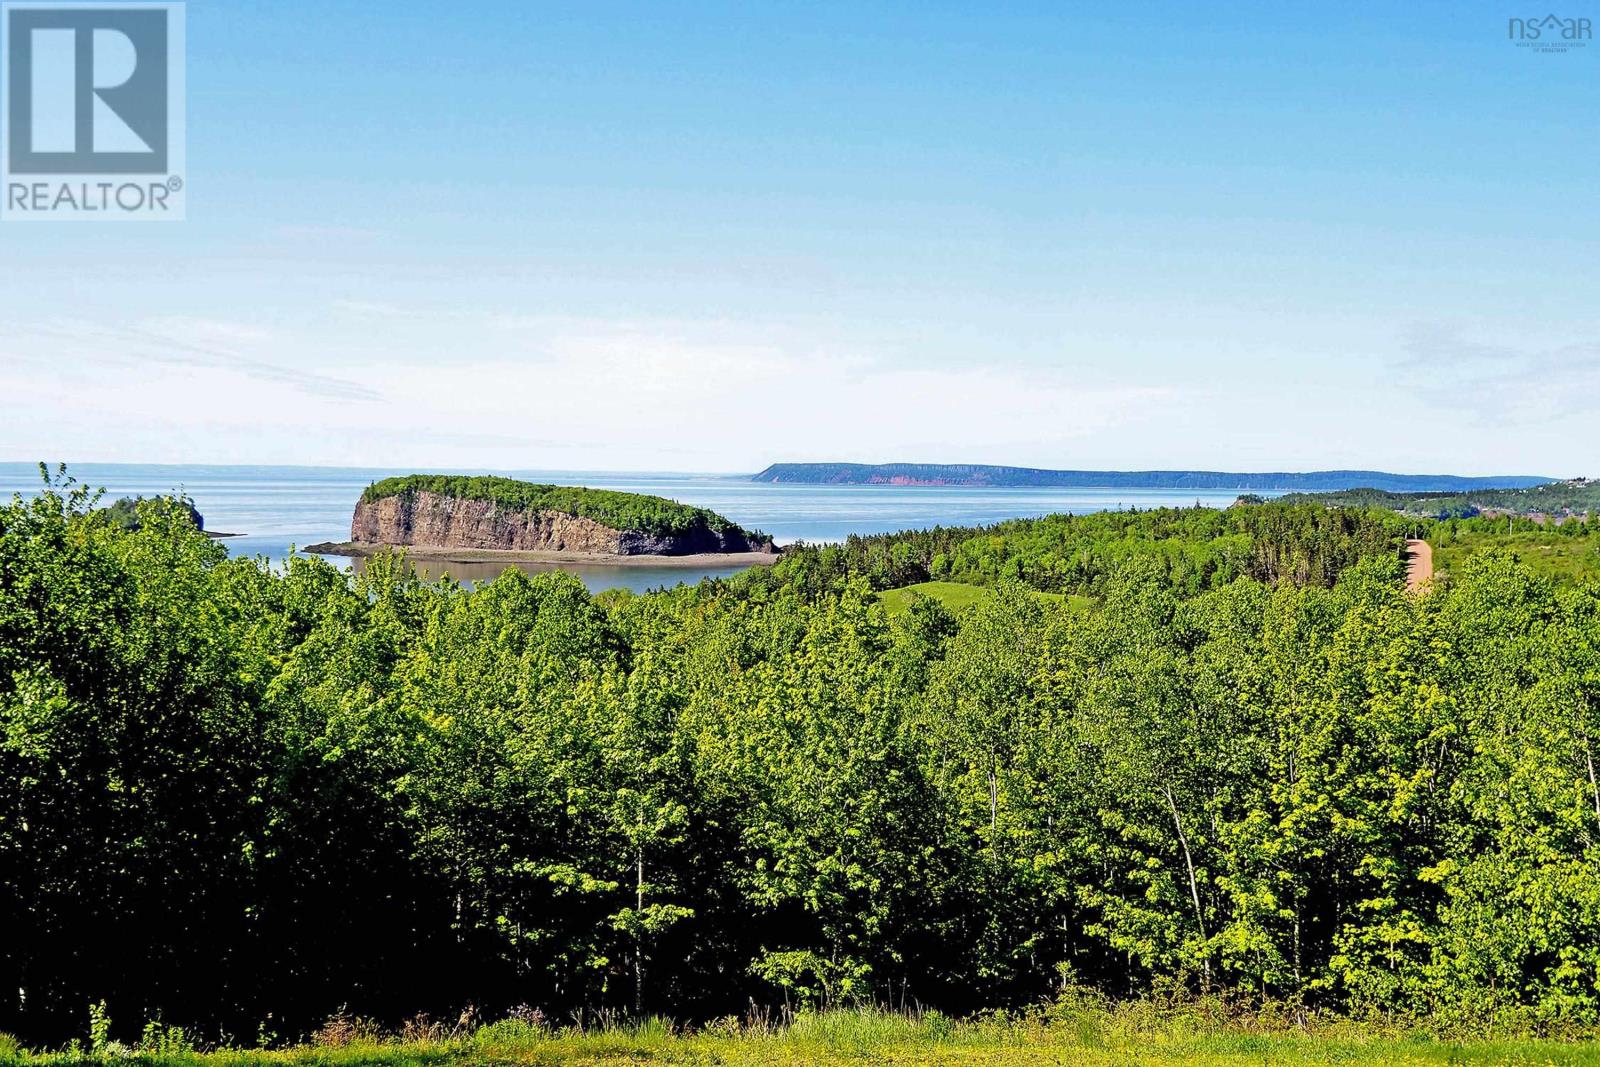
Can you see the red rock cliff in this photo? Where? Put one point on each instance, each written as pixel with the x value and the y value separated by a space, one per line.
pixel 433 521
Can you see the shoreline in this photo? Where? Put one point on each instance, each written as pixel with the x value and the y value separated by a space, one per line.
pixel 434 554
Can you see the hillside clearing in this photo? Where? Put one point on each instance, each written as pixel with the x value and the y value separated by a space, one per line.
pixel 1548 553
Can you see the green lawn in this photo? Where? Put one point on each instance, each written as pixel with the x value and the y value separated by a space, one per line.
pixel 1553 555
pixel 959 595
pixel 1092 1040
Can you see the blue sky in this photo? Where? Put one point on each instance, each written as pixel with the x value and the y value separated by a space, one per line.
pixel 708 237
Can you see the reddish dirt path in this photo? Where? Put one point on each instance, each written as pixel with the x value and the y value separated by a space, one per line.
pixel 1419 564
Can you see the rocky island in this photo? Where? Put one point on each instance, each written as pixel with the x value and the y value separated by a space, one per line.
pixel 502 518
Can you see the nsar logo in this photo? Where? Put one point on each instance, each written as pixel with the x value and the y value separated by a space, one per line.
pixel 94 111
pixel 1552 33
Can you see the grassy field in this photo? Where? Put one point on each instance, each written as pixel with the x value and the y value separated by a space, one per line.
pixel 1091 1040
pixel 1553 555
pixel 959 595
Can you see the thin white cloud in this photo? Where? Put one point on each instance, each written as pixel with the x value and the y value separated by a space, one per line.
pixel 177 342
pixel 1498 382
pixel 508 390
pixel 718 396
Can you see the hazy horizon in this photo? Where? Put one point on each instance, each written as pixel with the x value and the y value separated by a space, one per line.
pixel 735 472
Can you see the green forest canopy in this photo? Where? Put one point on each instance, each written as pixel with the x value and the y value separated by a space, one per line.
pixel 1193 548
pixel 124 511
pixel 1577 497
pixel 234 797
pixel 618 510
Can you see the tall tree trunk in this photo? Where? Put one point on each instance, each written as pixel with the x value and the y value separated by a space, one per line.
pixel 994 799
pixel 1594 786
pixel 638 935
pixel 1188 862
pixel 1298 980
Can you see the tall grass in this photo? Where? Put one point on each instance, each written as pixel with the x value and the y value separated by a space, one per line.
pixel 1084 1031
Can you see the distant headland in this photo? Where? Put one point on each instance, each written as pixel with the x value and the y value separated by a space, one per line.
pixel 978 474
pixel 502 518
pixel 1552 502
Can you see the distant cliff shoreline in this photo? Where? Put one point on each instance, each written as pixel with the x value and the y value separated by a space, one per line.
pixel 980 475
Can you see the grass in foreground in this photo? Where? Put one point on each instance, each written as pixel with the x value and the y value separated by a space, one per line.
pixel 959 595
pixel 1092 1038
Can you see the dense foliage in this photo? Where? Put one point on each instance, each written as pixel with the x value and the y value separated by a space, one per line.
pixel 1576 497
pixel 124 511
pixel 1567 551
pixel 618 510
pixel 238 798
pixel 1192 548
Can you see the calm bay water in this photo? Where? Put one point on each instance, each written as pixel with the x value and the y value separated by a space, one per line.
pixel 274 508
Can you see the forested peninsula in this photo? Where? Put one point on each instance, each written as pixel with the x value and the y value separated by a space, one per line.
pixel 503 515
pixel 1148 756
pixel 1575 497
pixel 977 474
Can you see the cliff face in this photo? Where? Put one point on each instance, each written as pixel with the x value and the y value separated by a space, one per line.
pixel 432 521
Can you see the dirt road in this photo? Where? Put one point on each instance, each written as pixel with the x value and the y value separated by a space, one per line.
pixel 1419 564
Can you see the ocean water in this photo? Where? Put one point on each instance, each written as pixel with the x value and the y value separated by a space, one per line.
pixel 274 509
